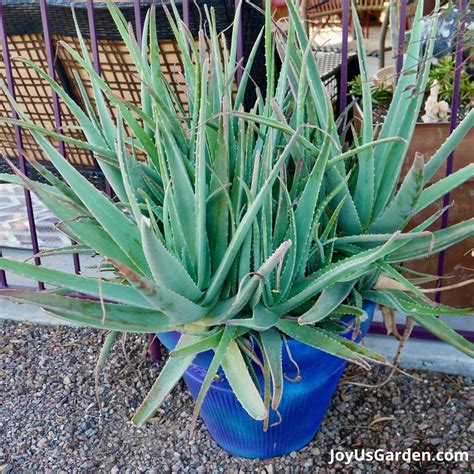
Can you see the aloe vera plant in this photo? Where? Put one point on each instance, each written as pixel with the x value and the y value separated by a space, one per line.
pixel 240 225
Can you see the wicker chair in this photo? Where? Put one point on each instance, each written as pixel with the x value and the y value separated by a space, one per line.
pixel 22 19
pixel 327 12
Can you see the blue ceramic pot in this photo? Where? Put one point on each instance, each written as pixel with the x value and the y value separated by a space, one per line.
pixel 302 408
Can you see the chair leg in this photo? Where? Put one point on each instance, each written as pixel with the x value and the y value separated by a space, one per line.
pixel 383 36
pixel 367 23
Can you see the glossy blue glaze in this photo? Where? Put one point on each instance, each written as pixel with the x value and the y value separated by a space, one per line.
pixel 302 408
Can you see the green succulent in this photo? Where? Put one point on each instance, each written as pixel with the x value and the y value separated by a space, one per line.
pixel 240 227
pixel 444 73
pixel 381 94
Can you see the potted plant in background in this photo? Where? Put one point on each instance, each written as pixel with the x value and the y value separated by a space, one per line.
pixel 433 128
pixel 250 241
pixel 427 138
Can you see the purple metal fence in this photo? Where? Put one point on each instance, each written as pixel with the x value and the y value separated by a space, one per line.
pixel 56 107
pixel 240 56
pixel 345 55
pixel 453 124
pixel 19 142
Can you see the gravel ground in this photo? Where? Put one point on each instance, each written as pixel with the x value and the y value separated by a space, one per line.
pixel 49 420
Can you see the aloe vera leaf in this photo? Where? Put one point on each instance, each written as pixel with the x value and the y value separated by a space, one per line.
pixel 365 187
pixel 426 316
pixel 393 159
pixel 202 243
pixel 262 319
pixel 363 351
pixel 226 309
pixel 91 286
pixel 165 267
pixel 184 47
pixel 241 382
pixel 166 381
pixel 93 313
pixel 316 86
pixel 393 273
pixel 405 202
pixel 411 304
pixel 175 306
pixel 401 98
pixel 183 195
pixel 330 299
pixel 319 339
pixel 124 162
pixel 289 264
pixel 66 250
pixel 101 151
pixel 56 182
pixel 445 333
pixel 350 221
pixel 85 232
pixel 369 238
pixel 245 225
pixel 204 344
pixel 141 327
pixel 89 109
pixel 220 350
pixel 129 39
pixel 230 66
pixel 362 148
pixel 350 216
pixel 429 245
pixel 219 210
pixel 242 88
pixel 114 222
pixel 444 186
pixel 352 310
pixel 307 202
pixel 97 82
pixel 277 125
pixel 451 142
pixel 107 128
pixel 92 134
pixel 334 272
pixel 272 348
pixel 105 350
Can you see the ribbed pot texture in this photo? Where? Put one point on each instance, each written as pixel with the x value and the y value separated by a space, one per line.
pixel 301 411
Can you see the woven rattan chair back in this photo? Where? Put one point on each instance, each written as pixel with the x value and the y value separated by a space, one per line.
pixel 327 12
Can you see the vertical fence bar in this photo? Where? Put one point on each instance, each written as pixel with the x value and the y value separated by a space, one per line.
pixel 50 60
pixel 154 348
pixel 95 58
pixel 453 124
pixel 19 139
pixel 153 342
pixel 138 21
pixel 93 35
pixel 48 41
pixel 186 12
pixel 344 53
pixel 240 43
pixel 401 34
